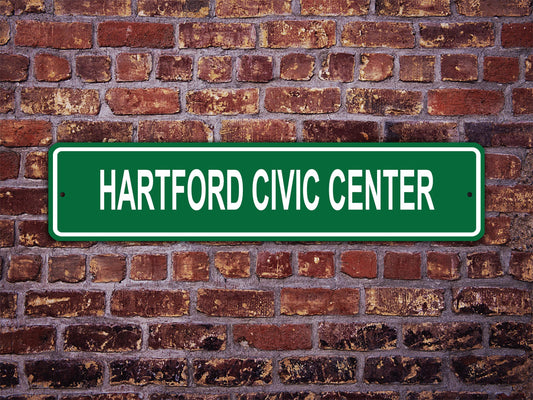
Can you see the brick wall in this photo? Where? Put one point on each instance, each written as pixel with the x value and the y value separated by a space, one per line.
pixel 193 320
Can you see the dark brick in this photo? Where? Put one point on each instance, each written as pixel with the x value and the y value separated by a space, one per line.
pixel 150 303
pixel 24 268
pixel 465 102
pixel 108 268
pixel 17 201
pixel 216 34
pixel 251 8
pixel 273 337
pixel 93 68
pixel 232 372
pixel 356 337
pixel 517 198
pixel 174 68
pixel 170 372
pixel 8 375
pixel 149 267
pixel 395 35
pixel 94 131
pixel 318 370
pixel 444 266
pixel 255 68
pixel 442 336
pixel 497 230
pixel 502 166
pixel 447 396
pixel 185 396
pixel 273 265
pixel 491 301
pixel 334 7
pixel 7 100
pixel 417 68
pixel 405 370
pixel 35 233
pixel 103 338
pixel 8 305
pixel 69 269
pixel 9 165
pixel 402 266
pixel 383 101
pixel 421 132
pixel 338 67
pixel 64 303
pixel 279 396
pixel 413 8
pixel 7 233
pixel 174 131
pixel 404 301
pixel 522 101
pixel 484 265
pixel 360 396
pixel 27 340
pixel 173 8
pixel 36 166
pixel 235 303
pixel 109 396
pixel 500 134
pixel 493 8
pixel 305 34
pixel 188 337
pixel 93 7
pixel 512 335
pixel 457 35
pixel 72 374
pixel 491 370
pixel 521 266
pixel 359 264
pixel 13 67
pixel 340 131
pixel 517 35
pixel 135 34
pixel 501 69
pixel 257 130
pixel 458 67
pixel 22 133
pixel 317 301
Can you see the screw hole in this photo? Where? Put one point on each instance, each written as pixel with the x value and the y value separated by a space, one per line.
pixel 62 194
pixel 469 194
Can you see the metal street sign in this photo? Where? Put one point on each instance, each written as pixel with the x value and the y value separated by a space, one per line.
pixel 266 191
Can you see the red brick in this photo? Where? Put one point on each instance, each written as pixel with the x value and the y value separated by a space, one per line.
pixel 443 266
pixel 273 265
pixel 464 102
pixel 8 375
pixel 251 8
pixel 223 101
pixel 300 100
pixel 512 335
pixel 9 165
pixel 4 32
pixel 7 233
pixel 24 268
pixel 235 303
pixel 417 68
pixel 491 301
pixel 297 67
pixel 174 131
pixel 334 7
pixel 57 35
pixel 500 134
pixel 35 233
pixel 356 337
pixel 215 69
pixel 404 370
pixel 59 101
pixel 484 265
pixel 442 336
pixel 404 301
pixel 383 101
pixel 396 35
pixel 94 131
pixel 374 395
pixel 133 67
pixel 458 67
pixel 522 101
pixel 7 100
pixel 217 34
pixel 255 68
pixel 421 132
pixel 402 266
pixel 190 266
pixel 305 34
pixel 232 372
pixel 13 67
pixel 8 305
pixel 120 8
pixel 517 198
pixel 497 230
pixel 17 201
pixel 493 8
pixel 273 337
pixel 500 69
pixel 150 303
pixel 108 268
pixel 521 266
pixel 64 304
pixel 36 166
pixel 457 35
pixel 71 374
pixel 68 269
pixel 170 372
pixel 149 267
pixel 174 68
pixel 190 337
pixel 318 370
pixel 27 340
pixel 359 264
pixel 376 67
pixel 502 166
pixel 51 68
pixel 318 301
pixel 338 67
pixel 135 34
pixel 517 35
pixel 413 8
pixel 93 69
pixel 180 9
pixel 233 264
pixel 340 131
pixel 316 264
pixel 529 68
pixel 124 101
pixel 102 338
pixel 253 130
pixel 487 370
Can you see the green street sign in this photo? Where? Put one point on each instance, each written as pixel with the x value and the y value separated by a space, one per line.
pixel 266 191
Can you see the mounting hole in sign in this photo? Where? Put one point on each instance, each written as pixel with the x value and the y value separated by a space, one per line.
pixel 469 194
pixel 62 194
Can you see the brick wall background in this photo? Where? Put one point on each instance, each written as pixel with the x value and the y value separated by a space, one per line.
pixel 193 320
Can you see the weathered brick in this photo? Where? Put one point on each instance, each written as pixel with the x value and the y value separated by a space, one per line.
pixel 253 130
pixel 317 301
pixel 170 372
pixel 36 166
pixel 502 166
pixel 465 102
pixel 396 35
pixel 120 8
pixel 235 303
pixel 215 69
pixel 383 101
pixel 8 375
pixel 421 132
pixel 57 35
pixel 7 233
pixel 24 268
pixel 457 35
pixel 279 396
pixel 517 198
pixel 356 337
pixel 338 67
pixel 491 370
pixel 135 34
pixel 529 68
pixel 187 337
pixel 491 301
pixel 133 67
pixel 417 68
pixel 442 336
pixel 232 372
pixel 233 264
pixel 27 340
pixel 187 396
pixel 190 266
pixel 493 8
pixel 94 131
pixel 297 67
pixel 54 303
pixel 108 268
pixel 334 7
pixel 484 265
pixel 217 34
pixel 404 301
pixel 255 68
pixel 405 370
pixel 174 8
pixel 9 165
pixel 35 233
pixel 174 131
pixel 500 134
pixel 68 269
pixel 359 264
pixel 124 101
pixel 149 267
pixel 13 67
pixel 374 395
pixel 17 201
pixel 340 131
pixel 93 69
pixel 497 230
pixel 4 32
pixel 174 68
pixel 300 100
pixel 273 265
pixel 500 69
pixel 458 67
pixel 413 8
pixel 150 303
pixel 376 67
pixel 443 266
pixel 101 396
pixel 512 396
pixel 51 68
pixel 521 266
pixel 7 100
pixel 305 34
pixel 251 8
pixel 318 370
pixel 223 101
pixel 514 335
pixel 18 7
pixel 447 396
pixel 273 337
pixel 59 101
pixel 102 338
pixel 522 101
pixel 316 264
pixel 517 34
pixel 402 265
pixel 8 305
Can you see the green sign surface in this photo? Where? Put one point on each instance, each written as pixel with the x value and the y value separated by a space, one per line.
pixel 266 191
